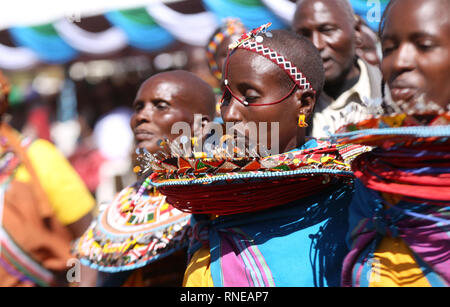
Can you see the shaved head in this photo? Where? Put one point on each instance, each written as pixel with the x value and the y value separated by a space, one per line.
pixel 194 93
pixel 301 52
pixel 343 6
pixel 275 97
pixel 444 4
pixel 168 98
pixel 336 32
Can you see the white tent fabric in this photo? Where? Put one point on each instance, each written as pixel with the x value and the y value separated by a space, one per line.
pixel 193 29
pixel 17 58
pixel 28 13
pixel 108 41
pixel 284 9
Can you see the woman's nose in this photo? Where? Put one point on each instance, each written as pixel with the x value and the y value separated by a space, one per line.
pixel 404 58
pixel 145 113
pixel 318 41
pixel 231 110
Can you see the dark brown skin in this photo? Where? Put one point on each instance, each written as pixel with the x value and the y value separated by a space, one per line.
pixel 416 45
pixel 161 101
pixel 258 80
pixel 165 99
pixel 336 34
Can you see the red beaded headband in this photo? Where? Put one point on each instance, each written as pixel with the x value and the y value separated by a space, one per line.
pixel 251 41
pixel 294 73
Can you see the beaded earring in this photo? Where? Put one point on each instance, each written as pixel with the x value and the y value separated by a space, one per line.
pixel 302 122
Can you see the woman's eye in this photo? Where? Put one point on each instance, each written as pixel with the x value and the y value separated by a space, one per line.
pixel 162 105
pixel 251 99
pixel 327 29
pixel 425 45
pixel 251 96
pixel 386 51
pixel 138 106
pixel 388 48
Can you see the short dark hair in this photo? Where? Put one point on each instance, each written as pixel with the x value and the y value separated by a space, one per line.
pixel 383 17
pixel 301 52
pixel 345 4
pixel 389 7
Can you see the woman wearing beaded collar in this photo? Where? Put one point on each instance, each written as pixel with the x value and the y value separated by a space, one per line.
pixel 139 239
pixel 399 217
pixel 271 77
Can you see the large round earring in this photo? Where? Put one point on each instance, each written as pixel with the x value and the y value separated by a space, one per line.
pixel 302 122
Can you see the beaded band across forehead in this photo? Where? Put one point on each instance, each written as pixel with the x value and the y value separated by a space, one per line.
pixel 294 73
pixel 252 41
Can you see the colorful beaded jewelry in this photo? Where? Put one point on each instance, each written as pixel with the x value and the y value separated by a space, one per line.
pixel 251 41
pixel 302 121
pixel 396 130
pixel 231 27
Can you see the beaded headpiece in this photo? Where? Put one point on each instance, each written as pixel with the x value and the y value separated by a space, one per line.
pixel 252 41
pixel 229 28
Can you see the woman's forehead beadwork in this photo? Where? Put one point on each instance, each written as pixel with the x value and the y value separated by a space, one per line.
pixel 294 73
pixel 252 41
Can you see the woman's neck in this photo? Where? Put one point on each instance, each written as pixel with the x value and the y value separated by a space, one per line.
pixel 335 88
pixel 296 142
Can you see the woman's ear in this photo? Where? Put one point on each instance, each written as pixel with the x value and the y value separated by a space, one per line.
pixel 306 100
pixel 358 32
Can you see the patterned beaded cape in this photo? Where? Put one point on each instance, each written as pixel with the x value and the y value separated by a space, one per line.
pixel 124 238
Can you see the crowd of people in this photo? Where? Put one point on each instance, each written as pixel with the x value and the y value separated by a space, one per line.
pixel 379 217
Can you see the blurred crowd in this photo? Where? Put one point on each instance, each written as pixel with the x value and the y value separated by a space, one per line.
pixel 69 140
pixel 85 108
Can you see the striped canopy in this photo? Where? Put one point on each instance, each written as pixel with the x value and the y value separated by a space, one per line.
pixel 151 28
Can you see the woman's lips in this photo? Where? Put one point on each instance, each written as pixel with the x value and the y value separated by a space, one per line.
pixel 327 62
pixel 142 136
pixel 403 93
